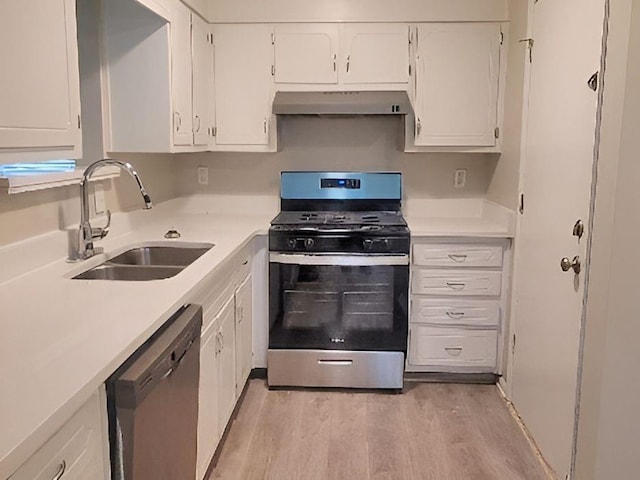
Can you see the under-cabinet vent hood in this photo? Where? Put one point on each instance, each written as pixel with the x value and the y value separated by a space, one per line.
pixel 342 103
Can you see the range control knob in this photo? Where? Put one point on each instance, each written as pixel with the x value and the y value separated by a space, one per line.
pixel 291 242
pixel 367 243
pixel 309 242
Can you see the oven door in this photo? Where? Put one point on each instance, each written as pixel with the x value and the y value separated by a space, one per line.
pixel 338 302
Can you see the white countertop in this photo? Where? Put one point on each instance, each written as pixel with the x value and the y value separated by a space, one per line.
pixel 62 338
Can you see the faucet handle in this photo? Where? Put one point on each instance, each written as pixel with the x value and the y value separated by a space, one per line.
pixel 101 232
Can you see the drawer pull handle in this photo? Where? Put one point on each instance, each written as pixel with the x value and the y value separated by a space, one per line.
pixel 61 469
pixel 456 285
pixel 455 314
pixel 338 363
pixel 453 351
pixel 458 257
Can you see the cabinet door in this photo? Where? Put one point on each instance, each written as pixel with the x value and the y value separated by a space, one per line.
pixel 40 94
pixel 181 74
pixel 457 84
pixel 374 53
pixel 243 84
pixel 226 364
pixel 244 333
pixel 202 71
pixel 306 53
pixel 208 428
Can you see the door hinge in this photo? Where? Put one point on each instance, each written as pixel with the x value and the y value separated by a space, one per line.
pixel 273 70
pixel 496 132
pixel 521 206
pixel 79 121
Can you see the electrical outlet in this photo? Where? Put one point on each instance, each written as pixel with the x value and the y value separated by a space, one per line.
pixel 460 178
pixel 98 198
pixel 203 175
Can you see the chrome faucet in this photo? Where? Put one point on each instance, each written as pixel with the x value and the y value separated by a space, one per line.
pixel 86 233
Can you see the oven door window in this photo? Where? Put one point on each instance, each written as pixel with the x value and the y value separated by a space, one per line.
pixel 338 307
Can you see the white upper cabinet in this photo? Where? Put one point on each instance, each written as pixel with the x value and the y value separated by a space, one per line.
pixel 457 84
pixel 374 53
pixel 243 86
pixel 342 56
pixel 306 53
pixel 181 70
pixel 40 94
pixel 202 81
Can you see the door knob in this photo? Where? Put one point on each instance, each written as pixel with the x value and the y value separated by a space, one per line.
pixel 567 264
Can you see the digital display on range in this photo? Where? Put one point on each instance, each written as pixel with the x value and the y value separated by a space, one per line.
pixel 350 183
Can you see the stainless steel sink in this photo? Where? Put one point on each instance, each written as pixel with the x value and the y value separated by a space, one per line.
pixel 159 255
pixel 147 262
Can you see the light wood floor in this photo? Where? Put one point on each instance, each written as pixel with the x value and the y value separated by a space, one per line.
pixel 431 431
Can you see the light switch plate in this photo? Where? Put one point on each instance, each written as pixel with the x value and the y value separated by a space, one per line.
pixel 203 175
pixel 98 198
pixel 460 178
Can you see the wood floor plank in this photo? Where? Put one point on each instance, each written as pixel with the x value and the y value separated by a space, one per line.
pixel 348 449
pixel 430 432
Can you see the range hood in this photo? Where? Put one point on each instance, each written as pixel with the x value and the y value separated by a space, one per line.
pixel 342 103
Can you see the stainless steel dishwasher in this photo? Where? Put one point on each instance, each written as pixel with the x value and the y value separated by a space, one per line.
pixel 153 404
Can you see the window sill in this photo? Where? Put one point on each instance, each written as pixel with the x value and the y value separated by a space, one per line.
pixel 42 181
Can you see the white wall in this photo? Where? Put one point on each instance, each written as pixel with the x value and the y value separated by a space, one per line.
pixel 356 10
pixel 351 144
pixel 25 215
pixel 609 424
pixel 503 188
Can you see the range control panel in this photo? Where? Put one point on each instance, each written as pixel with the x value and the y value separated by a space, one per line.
pixel 350 183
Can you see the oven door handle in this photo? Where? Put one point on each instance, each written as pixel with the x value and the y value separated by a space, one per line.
pixel 339 259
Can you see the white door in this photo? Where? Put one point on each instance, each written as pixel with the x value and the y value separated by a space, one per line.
pixel 226 363
pixel 457 80
pixel 559 151
pixel 202 50
pixel 244 333
pixel 181 74
pixel 40 93
pixel 208 429
pixel 374 53
pixel 243 84
pixel 306 53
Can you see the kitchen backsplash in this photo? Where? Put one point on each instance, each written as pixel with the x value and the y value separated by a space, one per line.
pixel 351 144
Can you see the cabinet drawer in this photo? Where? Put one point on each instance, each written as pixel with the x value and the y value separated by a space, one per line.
pixel 451 255
pixel 455 347
pixel 451 282
pixel 455 311
pixel 76 448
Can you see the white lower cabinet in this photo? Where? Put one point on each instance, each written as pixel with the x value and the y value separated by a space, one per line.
pixel 78 451
pixel 226 355
pixel 458 292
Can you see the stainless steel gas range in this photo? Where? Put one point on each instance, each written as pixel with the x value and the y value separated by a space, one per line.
pixel 338 281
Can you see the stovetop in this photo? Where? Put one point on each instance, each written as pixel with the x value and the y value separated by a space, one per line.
pixel 329 220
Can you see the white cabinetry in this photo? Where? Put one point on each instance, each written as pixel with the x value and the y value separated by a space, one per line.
pixel 458 293
pixel 78 451
pixel 244 333
pixel 159 77
pixel 243 87
pixel 40 95
pixel 457 82
pixel 225 350
pixel 348 56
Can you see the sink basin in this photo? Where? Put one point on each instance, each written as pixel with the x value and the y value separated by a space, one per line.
pixel 180 256
pixel 132 273
pixel 147 262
